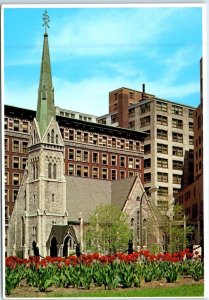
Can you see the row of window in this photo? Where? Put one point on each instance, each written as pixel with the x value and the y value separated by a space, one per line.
pixel 16 178
pixel 73 116
pixel 17 162
pixel 103 158
pixel 95 172
pixel 14 195
pixel 96 139
pixel 17 145
pixel 176 109
pixel 163 163
pixel 162 148
pixel 17 125
pixel 163 177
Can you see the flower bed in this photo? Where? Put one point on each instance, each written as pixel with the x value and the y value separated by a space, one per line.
pixel 110 271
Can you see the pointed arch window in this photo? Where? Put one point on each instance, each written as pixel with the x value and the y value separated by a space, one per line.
pixel 54 171
pixel 34 172
pixel 44 92
pixel 52 136
pixel 49 170
pixel 48 137
pixel 56 138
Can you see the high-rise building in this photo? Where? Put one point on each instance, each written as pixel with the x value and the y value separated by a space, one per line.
pixel 168 149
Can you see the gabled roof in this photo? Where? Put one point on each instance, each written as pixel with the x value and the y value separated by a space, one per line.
pixel 120 191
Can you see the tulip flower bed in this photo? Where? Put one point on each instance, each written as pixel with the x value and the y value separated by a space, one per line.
pixel 108 271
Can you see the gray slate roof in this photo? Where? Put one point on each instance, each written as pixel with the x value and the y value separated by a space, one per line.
pixel 85 194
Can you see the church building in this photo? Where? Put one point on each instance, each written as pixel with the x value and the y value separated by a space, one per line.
pixel 55 199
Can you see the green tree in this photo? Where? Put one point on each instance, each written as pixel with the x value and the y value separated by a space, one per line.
pixel 108 230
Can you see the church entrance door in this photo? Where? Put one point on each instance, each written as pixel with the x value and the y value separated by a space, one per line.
pixel 53 247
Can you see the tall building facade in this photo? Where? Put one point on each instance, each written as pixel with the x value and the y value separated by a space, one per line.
pixel 168 149
pixel 191 195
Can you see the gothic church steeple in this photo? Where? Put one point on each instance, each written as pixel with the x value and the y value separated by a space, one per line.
pixel 46 109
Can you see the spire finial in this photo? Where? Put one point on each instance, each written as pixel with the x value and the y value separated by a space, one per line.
pixel 46 21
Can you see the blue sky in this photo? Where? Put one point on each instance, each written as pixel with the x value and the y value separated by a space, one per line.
pixel 96 50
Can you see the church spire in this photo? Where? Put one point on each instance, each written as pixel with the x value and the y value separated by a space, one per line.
pixel 46 109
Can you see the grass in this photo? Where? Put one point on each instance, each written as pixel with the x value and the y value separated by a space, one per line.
pixel 191 290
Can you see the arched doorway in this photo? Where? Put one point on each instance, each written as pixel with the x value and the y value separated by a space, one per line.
pixel 53 247
pixel 68 245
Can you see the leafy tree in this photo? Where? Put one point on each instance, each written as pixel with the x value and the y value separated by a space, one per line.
pixel 175 228
pixel 108 230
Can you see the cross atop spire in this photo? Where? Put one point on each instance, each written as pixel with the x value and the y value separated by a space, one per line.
pixel 46 21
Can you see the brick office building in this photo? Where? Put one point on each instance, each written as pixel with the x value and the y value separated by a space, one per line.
pixel 191 196
pixel 168 150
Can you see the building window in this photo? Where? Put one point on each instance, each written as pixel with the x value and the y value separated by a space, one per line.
pixel 177 110
pixel 191 140
pixel 162 163
pixel 162 148
pixel 145 107
pixel 122 161
pixel 95 158
pixel 5 123
pixel 147 177
pixel 162 120
pixel 177 165
pixel 162 134
pixel 130 162
pixel 145 121
pixel 131 145
pixel 137 146
pixel 147 149
pixel 191 113
pixel 78 170
pixel 16 179
pixel 6 161
pixel 104 141
pixel 48 138
pixel 175 191
pixel 25 126
pixel 57 139
pixel 147 163
pixel 71 170
pixel 85 156
pixel 6 195
pixel 114 118
pixel 52 197
pixel 6 178
pixel 177 151
pixel 177 178
pixel 85 171
pixel 95 173
pixel 162 177
pixel 16 146
pixel 113 175
pixel 130 174
pixel 49 170
pixel 34 230
pixel 131 125
pixel 162 191
pixel 71 135
pixel 104 159
pixel 6 144
pixel 102 121
pixel 95 139
pixel 71 153
pixel 78 136
pixel 6 212
pixel 162 106
pixel 16 125
pixel 191 126
pixel 25 147
pixel 104 173
pixel 122 144
pixel 52 136
pixel 78 155
pixel 54 171
pixel 86 137
pixel 177 123
pixel 137 163
pixel 16 163
pixel 122 174
pixel 132 112
pixel 113 160
pixel 177 137
pixel 114 143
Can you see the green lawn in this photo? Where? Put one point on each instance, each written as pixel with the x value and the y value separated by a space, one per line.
pixel 191 290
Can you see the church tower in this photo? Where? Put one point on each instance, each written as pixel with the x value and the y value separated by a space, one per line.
pixel 45 184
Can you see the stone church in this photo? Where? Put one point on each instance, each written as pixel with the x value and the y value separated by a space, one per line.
pixel 52 208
